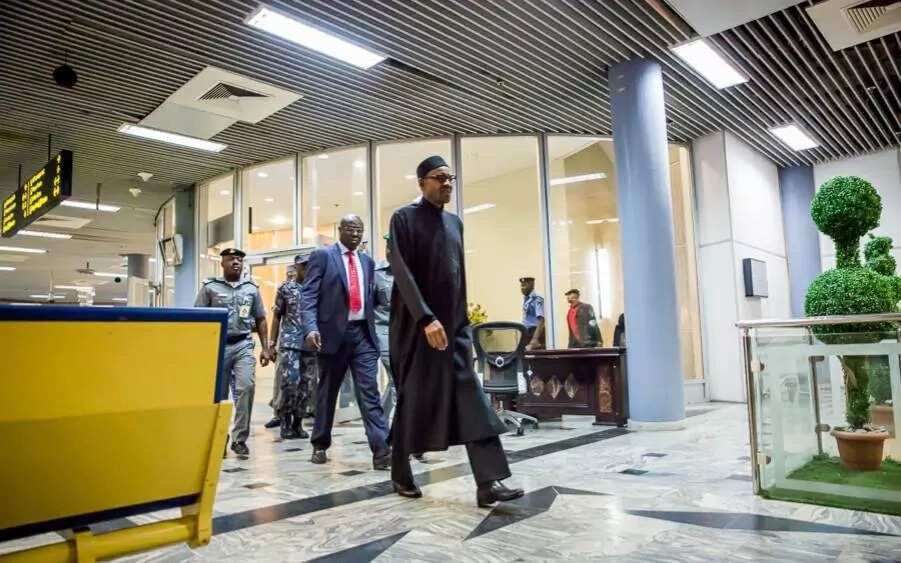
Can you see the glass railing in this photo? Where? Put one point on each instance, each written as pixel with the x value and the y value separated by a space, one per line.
pixel 819 385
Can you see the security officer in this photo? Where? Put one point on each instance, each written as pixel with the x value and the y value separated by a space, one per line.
pixel 245 314
pixel 296 362
pixel 532 313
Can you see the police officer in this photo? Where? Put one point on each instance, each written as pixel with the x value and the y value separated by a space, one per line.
pixel 245 314
pixel 532 313
pixel 276 402
pixel 296 362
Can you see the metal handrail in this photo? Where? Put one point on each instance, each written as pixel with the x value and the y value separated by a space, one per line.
pixel 816 321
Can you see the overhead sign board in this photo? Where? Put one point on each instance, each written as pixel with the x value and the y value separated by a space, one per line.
pixel 40 193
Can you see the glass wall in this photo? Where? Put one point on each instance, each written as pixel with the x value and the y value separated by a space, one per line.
pixel 334 184
pixel 502 217
pixel 268 206
pixel 396 178
pixel 216 225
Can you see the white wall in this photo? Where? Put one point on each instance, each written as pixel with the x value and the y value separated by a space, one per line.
pixel 883 170
pixel 739 216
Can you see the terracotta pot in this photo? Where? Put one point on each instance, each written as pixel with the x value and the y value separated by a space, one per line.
pixel 860 451
pixel 883 415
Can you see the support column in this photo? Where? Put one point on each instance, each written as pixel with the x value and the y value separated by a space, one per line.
pixel 802 241
pixel 186 272
pixel 656 394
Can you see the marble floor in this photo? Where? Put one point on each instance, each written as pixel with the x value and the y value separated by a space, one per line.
pixel 592 494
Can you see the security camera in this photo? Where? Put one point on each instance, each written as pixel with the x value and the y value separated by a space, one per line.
pixel 65 76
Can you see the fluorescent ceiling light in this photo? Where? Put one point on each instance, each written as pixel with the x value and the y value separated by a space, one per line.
pixel 7 268
pixel 110 275
pixel 46 296
pixel 74 287
pixel 582 178
pixel 358 193
pixel 269 199
pixel 174 138
pixel 44 234
pixel 702 57
pixel 119 299
pixel 477 208
pixel 276 23
pixel 26 304
pixel 89 205
pixel 602 221
pixel 225 192
pixel 262 174
pixel 316 208
pixel 22 249
pixel 794 137
pixel 323 156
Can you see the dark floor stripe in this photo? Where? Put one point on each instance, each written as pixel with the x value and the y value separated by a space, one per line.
pixel 248 518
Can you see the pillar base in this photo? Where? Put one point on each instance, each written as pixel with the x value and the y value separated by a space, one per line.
pixel 661 426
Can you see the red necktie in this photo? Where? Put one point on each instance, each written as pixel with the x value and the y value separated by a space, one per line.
pixel 356 302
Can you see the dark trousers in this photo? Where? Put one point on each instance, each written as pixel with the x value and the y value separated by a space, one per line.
pixel 359 354
pixel 486 457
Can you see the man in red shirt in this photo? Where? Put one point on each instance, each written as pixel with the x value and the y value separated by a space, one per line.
pixel 583 326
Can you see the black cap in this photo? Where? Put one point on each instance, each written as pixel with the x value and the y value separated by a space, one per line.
pixel 233 252
pixel 301 258
pixel 428 165
pixel 526 279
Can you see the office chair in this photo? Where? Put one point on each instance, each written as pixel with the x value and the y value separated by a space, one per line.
pixel 499 352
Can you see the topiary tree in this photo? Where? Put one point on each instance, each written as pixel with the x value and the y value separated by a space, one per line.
pixel 845 208
pixel 878 255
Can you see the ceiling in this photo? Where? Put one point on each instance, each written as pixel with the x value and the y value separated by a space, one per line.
pixel 459 66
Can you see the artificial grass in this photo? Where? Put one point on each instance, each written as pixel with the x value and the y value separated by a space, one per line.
pixel 828 470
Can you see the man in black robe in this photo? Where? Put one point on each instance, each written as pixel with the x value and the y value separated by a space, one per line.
pixel 440 402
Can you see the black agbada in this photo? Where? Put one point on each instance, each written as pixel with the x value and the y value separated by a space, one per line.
pixel 440 401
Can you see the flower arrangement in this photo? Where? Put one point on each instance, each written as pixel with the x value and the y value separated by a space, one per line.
pixel 477 314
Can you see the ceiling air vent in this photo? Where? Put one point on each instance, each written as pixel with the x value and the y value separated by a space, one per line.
pixel 223 91
pixel 844 23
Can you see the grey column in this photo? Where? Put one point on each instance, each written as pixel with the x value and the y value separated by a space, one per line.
pixel 802 241
pixel 138 265
pixel 654 366
pixel 186 273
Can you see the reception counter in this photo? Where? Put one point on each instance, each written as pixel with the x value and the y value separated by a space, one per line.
pixel 577 381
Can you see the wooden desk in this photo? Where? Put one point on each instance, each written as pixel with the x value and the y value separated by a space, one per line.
pixel 577 381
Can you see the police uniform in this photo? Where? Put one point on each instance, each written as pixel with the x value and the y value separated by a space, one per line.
pixel 296 366
pixel 384 282
pixel 532 313
pixel 245 305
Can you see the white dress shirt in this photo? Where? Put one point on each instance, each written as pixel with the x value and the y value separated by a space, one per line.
pixel 361 314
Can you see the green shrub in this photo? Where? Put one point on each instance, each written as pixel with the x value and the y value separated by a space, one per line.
pixel 845 208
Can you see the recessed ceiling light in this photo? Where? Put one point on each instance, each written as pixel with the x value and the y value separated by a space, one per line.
pixel 110 275
pixel 358 193
pixel 276 23
pixel 7 268
pixel 22 249
pixel 46 296
pixel 477 208
pixel 316 208
pixel 74 287
pixel 582 178
pixel 278 220
pixel 262 174
pixel 90 205
pixel 44 234
pixel 709 63
pixel 359 164
pixel 119 299
pixel 225 192
pixel 794 137
pixel 173 138
pixel 269 199
pixel 170 277
pixel 26 304
pixel 323 156
pixel 410 177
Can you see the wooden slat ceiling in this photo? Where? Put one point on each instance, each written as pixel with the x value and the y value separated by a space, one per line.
pixel 456 66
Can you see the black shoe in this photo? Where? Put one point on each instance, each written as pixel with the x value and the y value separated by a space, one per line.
pixel 419 457
pixel 299 432
pixel 405 491
pixel 495 491
pixel 382 463
pixel 276 421
pixel 319 457
pixel 240 448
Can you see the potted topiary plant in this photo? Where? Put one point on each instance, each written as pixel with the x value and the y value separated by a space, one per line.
pixel 845 208
pixel 879 259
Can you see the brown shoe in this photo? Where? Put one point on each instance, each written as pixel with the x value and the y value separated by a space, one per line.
pixel 319 457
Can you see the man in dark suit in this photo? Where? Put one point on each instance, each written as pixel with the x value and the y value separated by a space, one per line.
pixel 584 331
pixel 337 301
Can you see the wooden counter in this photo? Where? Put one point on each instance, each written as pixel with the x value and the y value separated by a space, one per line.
pixel 577 381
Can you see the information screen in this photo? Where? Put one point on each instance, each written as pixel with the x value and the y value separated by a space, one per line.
pixel 43 191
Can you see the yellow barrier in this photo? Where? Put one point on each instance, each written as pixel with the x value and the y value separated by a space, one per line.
pixel 109 413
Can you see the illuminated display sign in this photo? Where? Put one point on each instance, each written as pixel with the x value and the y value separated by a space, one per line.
pixel 43 191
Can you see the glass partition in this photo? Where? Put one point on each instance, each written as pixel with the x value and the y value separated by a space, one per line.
pixel 800 381
pixel 502 216
pixel 216 223
pixel 268 206
pixel 396 176
pixel 334 185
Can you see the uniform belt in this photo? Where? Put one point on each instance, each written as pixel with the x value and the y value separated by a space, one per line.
pixel 235 338
pixel 361 322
